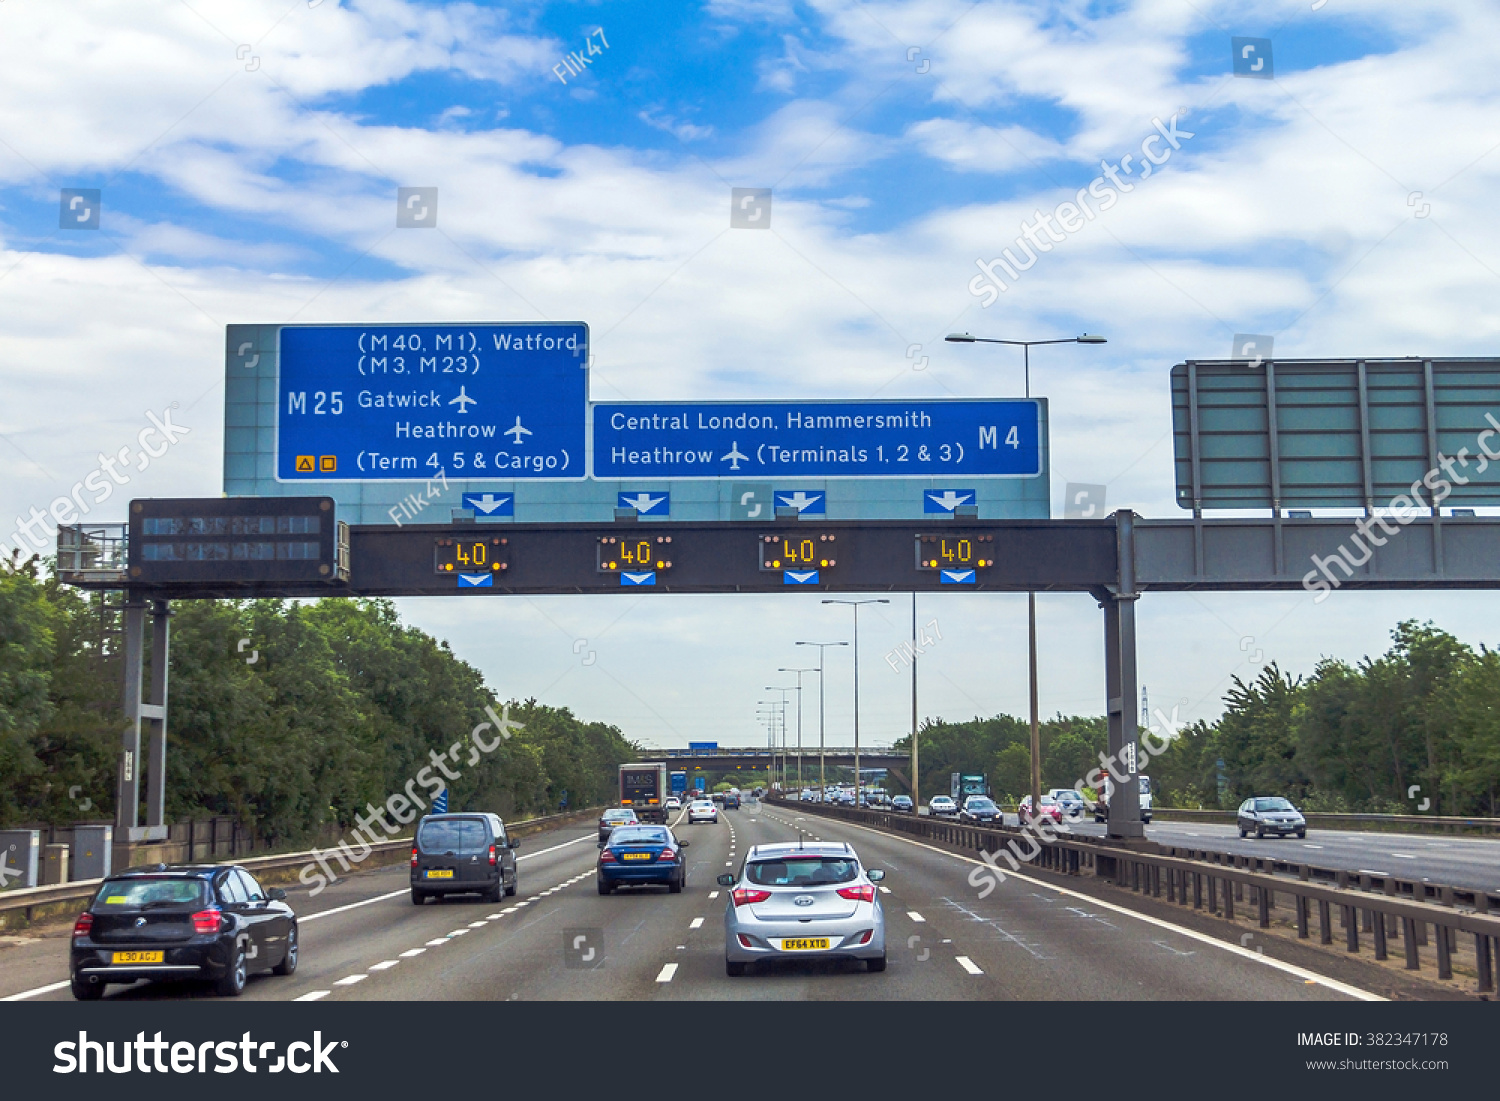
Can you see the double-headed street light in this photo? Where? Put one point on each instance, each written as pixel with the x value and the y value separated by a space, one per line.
pixel 799 673
pixel 855 605
pixel 822 778
pixel 1036 739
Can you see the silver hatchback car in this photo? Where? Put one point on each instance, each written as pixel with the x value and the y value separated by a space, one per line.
pixel 796 900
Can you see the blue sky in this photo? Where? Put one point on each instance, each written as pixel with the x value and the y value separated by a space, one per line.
pixel 249 151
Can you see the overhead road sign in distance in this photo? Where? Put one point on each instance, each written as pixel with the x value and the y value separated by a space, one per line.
pixel 236 541
pixel 1336 433
pixel 362 403
pixel 818 439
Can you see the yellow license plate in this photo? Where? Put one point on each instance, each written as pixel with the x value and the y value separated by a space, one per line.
pixel 635 856
pixel 439 873
pixel 804 944
pixel 137 957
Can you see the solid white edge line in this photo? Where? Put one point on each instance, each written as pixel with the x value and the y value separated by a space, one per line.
pixel 666 972
pixel 23 995
pixel 1203 938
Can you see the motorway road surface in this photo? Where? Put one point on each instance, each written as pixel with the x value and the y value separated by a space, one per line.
pixel 1472 862
pixel 363 939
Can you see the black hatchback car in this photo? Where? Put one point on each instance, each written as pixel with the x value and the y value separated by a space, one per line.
pixel 456 854
pixel 182 921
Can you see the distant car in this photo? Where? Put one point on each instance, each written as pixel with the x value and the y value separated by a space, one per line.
pixel 808 796
pixel 731 800
pixel 942 806
pixel 1070 801
pixel 674 803
pixel 642 854
pixel 702 810
pixel 981 809
pixel 181 921
pixel 717 797
pixel 619 816
pixel 902 804
pixel 1275 816
pixel 455 854
pixel 1049 809
pixel 809 900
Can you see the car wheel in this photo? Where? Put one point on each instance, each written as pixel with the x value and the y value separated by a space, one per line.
pixel 495 893
pixel 605 888
pixel 675 886
pixel 232 983
pixel 1242 834
pixel 1301 834
pixel 1260 834
pixel 733 970
pixel 288 964
pixel 514 886
pixel 418 897
pixel 85 991
pixel 876 965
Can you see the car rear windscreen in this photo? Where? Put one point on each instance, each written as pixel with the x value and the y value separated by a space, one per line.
pixel 801 871
pixel 139 893
pixel 460 836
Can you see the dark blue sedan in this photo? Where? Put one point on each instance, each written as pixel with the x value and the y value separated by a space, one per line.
pixel 642 854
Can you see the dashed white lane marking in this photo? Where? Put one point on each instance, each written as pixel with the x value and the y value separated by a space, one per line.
pixel 518 905
pixel 1405 856
pixel 437 943
pixel 915 916
pixel 729 863
pixel 459 933
pixel 1307 846
pixel 666 973
pixel 533 898
pixel 697 923
pixel 313 995
pixel 410 952
pixel 885 890
pixel 508 910
pixel 711 894
pixel 494 917
pixel 302 918
pixel 969 965
pixel 384 965
pixel 476 925
pixel 350 980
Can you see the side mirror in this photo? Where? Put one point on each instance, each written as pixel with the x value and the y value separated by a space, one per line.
pixel 726 880
pixel 276 894
pixel 515 842
pixel 875 875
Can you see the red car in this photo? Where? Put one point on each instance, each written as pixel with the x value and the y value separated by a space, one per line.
pixel 1050 809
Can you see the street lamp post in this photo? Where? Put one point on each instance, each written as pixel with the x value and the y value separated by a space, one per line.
pixel 1036 738
pixel 822 779
pixel 855 605
pixel 783 691
pixel 799 673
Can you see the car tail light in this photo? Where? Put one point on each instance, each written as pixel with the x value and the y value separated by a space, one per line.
pixel 413 856
pixel 744 896
pixel 606 857
pixel 863 938
pixel 864 893
pixel 492 856
pixel 667 854
pixel 745 942
pixel 82 926
pixel 206 921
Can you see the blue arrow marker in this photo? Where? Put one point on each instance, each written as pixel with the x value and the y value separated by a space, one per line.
pixel 814 503
pixel 957 577
pixel 799 577
pixel 646 577
pixel 476 581
pixel 491 504
pixel 646 504
pixel 945 500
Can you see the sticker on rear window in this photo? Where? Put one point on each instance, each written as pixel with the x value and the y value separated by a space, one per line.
pixel 115 900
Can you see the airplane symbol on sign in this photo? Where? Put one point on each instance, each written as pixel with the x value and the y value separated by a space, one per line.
pixel 517 432
pixel 463 401
pixel 734 456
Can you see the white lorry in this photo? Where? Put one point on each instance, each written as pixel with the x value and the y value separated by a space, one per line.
pixel 1101 808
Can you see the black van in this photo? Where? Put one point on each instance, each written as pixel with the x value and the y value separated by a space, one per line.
pixel 455 854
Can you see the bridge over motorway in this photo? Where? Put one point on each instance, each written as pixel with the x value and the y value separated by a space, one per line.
pixel 723 758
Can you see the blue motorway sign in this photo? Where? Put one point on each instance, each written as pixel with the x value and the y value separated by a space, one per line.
pixel 818 439
pixel 402 402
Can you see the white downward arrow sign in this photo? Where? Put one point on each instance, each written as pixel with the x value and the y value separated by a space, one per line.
pixel 949 500
pixel 489 502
